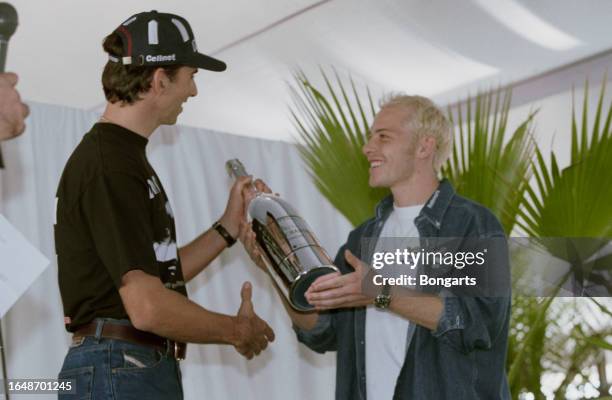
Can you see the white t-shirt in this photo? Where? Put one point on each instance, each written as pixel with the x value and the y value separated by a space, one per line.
pixel 386 332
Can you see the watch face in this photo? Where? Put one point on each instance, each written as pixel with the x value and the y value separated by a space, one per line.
pixel 382 301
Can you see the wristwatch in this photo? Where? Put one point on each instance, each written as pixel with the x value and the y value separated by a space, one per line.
pixel 224 234
pixel 383 300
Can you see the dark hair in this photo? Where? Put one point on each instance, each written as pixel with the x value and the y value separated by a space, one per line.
pixel 125 82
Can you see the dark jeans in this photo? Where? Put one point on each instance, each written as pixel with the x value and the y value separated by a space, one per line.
pixel 114 369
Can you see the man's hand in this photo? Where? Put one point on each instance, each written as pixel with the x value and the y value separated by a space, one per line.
pixel 235 211
pixel 249 193
pixel 252 333
pixel 340 291
pixel 247 237
pixel 12 111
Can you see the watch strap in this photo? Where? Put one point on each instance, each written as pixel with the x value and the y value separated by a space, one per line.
pixel 224 234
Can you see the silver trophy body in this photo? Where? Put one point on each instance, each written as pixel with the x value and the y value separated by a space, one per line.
pixel 292 254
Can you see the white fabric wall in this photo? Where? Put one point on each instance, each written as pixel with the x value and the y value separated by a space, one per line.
pixel 190 163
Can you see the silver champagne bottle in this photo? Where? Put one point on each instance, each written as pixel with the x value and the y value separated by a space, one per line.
pixel 292 254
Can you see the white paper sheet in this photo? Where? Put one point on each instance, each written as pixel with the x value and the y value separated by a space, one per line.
pixel 20 265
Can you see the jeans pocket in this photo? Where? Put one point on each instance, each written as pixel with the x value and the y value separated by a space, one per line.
pixel 135 359
pixel 81 380
pixel 156 381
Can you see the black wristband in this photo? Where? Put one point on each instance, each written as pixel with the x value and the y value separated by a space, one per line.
pixel 224 234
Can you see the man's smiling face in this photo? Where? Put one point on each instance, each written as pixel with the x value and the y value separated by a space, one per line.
pixel 390 148
pixel 179 90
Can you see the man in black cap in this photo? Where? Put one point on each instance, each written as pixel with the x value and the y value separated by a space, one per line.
pixel 121 276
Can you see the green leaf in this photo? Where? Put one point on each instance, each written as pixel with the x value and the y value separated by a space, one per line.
pixel 601 343
pixel 332 139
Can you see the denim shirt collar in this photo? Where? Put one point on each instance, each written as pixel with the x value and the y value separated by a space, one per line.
pixel 433 210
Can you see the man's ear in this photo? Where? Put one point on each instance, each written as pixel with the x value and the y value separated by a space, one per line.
pixel 426 147
pixel 159 81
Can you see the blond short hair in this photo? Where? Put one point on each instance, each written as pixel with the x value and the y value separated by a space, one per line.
pixel 424 119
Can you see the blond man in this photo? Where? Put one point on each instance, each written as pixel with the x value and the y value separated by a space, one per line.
pixel 393 341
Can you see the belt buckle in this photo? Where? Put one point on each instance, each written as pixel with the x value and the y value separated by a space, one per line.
pixel 177 352
pixel 176 349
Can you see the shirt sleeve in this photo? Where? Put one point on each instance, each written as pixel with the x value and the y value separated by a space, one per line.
pixel 322 337
pixel 116 207
pixel 471 323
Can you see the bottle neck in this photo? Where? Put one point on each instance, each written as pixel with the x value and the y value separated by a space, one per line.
pixel 236 170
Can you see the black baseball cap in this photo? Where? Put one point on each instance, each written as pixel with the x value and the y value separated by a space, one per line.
pixel 158 39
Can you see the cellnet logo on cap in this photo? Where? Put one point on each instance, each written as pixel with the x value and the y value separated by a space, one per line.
pixel 152 38
pixel 160 58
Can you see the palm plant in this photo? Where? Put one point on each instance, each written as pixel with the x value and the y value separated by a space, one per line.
pixel 557 335
pixel 576 203
pixel 495 169
pixel 571 215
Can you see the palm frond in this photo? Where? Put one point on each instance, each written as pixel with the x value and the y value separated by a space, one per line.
pixel 482 167
pixel 333 133
pixel 575 201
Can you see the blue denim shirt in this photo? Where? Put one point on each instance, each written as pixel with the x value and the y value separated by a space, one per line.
pixel 464 358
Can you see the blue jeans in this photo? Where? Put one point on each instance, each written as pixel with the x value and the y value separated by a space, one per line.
pixel 114 369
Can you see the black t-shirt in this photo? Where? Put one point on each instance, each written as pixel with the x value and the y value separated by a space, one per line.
pixel 112 216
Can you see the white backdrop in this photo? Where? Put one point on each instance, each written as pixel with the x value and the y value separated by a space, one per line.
pixel 190 163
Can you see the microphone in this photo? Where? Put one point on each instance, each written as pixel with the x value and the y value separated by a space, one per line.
pixel 8 25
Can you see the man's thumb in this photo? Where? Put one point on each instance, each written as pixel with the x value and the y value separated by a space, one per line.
pixel 351 259
pixel 246 292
